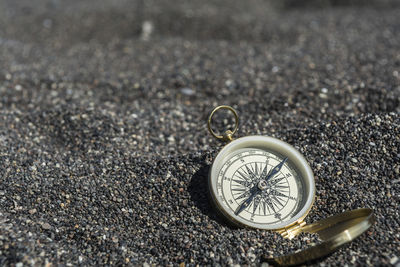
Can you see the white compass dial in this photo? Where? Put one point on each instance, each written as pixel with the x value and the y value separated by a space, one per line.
pixel 260 187
pixel 251 185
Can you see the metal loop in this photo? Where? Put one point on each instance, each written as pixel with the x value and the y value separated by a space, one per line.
pixel 228 133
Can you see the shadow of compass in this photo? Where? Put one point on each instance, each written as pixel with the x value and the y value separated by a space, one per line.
pixel 200 196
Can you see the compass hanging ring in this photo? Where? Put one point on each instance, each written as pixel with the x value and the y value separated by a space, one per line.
pixel 227 136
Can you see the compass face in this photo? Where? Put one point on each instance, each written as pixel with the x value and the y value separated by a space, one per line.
pixel 277 198
pixel 261 184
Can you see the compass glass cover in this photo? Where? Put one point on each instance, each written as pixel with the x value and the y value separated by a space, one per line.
pixel 265 185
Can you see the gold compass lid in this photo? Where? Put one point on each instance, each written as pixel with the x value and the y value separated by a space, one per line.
pixel 334 231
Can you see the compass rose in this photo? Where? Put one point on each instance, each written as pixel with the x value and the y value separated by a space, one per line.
pixel 264 192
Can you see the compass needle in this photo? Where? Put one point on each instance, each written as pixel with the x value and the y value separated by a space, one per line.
pixel 245 204
pixel 276 169
pixel 256 202
pixel 246 194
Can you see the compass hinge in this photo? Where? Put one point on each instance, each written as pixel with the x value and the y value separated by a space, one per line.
pixel 293 230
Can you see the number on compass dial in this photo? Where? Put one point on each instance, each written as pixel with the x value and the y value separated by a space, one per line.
pixel 260 186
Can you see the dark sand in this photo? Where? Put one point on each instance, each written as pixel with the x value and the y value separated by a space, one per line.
pixel 104 150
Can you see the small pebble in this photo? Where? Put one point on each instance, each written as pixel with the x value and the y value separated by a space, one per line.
pixel 46 226
pixel 187 91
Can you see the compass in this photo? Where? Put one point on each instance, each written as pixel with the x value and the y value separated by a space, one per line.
pixel 264 183
pixel 261 182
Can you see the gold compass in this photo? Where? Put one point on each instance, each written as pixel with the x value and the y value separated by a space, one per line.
pixel 262 182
